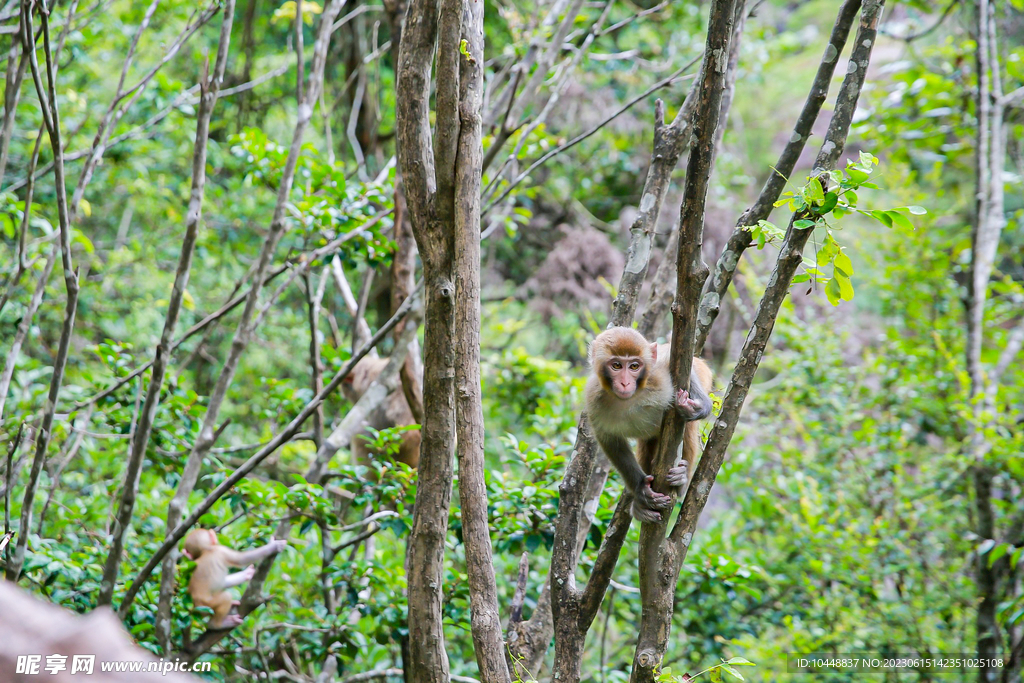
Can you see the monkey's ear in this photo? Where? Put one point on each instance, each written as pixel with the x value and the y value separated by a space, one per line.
pixel 187 554
pixel 654 351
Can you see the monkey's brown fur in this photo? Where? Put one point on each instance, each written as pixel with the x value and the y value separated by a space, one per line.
pixel 627 394
pixel 395 412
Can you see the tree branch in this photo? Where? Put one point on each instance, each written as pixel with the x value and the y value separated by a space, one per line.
pixel 51 117
pixel 292 428
pixel 140 440
pixel 725 269
pixel 657 594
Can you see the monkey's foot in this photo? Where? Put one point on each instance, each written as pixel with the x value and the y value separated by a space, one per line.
pixel 688 408
pixel 645 514
pixel 678 475
pixel 647 502
pixel 230 621
pixel 248 572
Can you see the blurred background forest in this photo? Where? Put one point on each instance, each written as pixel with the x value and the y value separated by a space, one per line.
pixel 846 515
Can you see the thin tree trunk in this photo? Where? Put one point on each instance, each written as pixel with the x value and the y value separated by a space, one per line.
pixel 246 327
pixel 789 259
pixel 47 94
pixel 989 220
pixel 718 284
pixel 488 641
pixel 657 589
pixel 528 640
pixel 140 441
pixel 430 202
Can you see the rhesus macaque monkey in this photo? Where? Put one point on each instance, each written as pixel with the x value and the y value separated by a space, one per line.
pixel 211 578
pixel 395 412
pixel 627 394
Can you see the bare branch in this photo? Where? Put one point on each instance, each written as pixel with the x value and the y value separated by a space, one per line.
pixel 252 598
pixel 124 98
pixel 656 596
pixel 668 80
pixel 790 257
pixel 245 329
pixel 51 117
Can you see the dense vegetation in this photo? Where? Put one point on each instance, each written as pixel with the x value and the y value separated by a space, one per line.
pixel 847 516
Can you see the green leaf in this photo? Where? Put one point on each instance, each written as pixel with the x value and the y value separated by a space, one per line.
pixel 829 248
pixel 998 552
pixel 882 217
pixel 813 192
pixel 900 221
pixel 739 661
pixel 800 277
pixel 732 671
pixel 832 292
pixel 843 263
pixel 985 546
pixel 916 210
pixel 803 223
pixel 857 176
pixel 831 199
pixel 845 286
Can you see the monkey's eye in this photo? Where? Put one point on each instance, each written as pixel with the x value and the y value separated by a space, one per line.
pixel 616 365
pixel 634 366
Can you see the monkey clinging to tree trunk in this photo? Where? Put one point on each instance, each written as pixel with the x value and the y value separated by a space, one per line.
pixel 629 390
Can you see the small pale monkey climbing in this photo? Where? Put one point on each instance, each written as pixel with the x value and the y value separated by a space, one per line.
pixel 211 580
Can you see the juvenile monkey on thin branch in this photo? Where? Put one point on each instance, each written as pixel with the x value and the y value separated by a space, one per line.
pixel 211 579
pixel 628 393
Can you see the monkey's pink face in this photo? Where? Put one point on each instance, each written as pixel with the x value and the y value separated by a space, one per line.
pixel 624 375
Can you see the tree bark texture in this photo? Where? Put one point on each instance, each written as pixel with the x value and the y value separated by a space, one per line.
pixel 587 472
pixel 488 640
pixel 47 93
pixel 989 220
pixel 657 587
pixel 441 177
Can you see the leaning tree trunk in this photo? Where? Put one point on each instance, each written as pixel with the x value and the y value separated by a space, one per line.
pixel 657 588
pixel 652 643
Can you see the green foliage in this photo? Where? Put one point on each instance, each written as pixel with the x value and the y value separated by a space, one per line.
pixel 812 206
pixel 841 517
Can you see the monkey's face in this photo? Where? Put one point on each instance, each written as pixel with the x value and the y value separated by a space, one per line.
pixel 624 375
